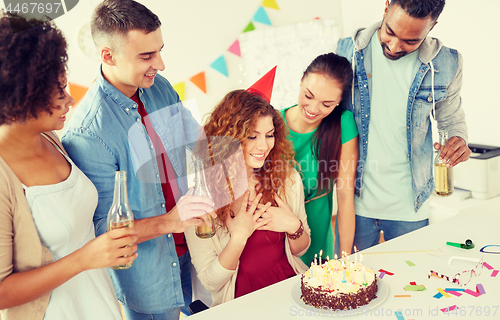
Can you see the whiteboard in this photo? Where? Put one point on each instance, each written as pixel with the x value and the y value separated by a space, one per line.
pixel 291 48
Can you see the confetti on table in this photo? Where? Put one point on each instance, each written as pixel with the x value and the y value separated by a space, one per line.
pixel 413 283
pixel 414 288
pixel 386 272
pixel 480 288
pixel 438 295
pixel 399 315
pixel 409 263
pixel 381 275
pixel 494 273
pixel 455 293
pixel 445 310
pixel 454 289
pixel 487 266
pixel 472 293
pixel 402 296
pixel 443 293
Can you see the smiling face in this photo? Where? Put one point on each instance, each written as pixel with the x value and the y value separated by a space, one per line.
pixel 318 96
pixel 259 143
pixel 401 34
pixel 60 107
pixel 135 62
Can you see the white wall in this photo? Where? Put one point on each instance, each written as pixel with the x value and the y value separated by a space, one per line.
pixel 196 32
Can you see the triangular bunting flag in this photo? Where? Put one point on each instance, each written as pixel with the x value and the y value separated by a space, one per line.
pixel 270 4
pixel 264 86
pixel 220 65
pixel 181 90
pixel 249 27
pixel 199 81
pixel 235 48
pixel 77 92
pixel 261 16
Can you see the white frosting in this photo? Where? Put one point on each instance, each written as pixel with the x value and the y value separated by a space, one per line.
pixel 331 274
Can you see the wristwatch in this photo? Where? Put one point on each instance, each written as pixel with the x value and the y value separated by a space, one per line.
pixel 297 233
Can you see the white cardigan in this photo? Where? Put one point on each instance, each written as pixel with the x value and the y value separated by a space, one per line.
pixel 205 252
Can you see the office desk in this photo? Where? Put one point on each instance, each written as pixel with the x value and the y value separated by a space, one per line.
pixel 276 302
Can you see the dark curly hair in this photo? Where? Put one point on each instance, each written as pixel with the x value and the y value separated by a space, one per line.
pixel 32 58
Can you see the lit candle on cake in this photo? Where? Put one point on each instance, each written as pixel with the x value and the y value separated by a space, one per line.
pixel 356 250
pixel 335 263
pixel 315 258
pixel 330 281
pixel 364 277
pixel 320 254
pixel 343 279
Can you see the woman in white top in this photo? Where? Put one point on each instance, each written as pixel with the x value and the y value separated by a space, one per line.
pixel 46 202
pixel 261 224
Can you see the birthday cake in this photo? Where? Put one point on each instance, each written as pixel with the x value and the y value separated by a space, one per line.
pixel 338 284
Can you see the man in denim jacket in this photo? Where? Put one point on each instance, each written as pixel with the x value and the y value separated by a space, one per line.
pixel 131 119
pixel 401 77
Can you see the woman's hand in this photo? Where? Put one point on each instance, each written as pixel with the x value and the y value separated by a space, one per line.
pixel 282 218
pixel 109 249
pixel 245 222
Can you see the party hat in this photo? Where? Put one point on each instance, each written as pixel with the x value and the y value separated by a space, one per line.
pixel 264 86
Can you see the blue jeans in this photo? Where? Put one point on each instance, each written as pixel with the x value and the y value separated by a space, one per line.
pixel 184 262
pixel 367 232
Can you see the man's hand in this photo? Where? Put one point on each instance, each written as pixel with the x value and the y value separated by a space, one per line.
pixel 191 211
pixel 454 152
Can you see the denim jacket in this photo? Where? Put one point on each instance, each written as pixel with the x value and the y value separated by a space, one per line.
pixel 105 134
pixel 436 85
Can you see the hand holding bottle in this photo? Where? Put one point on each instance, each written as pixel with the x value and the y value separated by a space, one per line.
pixel 454 151
pixel 191 211
pixel 115 247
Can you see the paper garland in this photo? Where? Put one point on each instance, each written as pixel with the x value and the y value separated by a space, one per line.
pixel 249 27
pixel 181 90
pixel 270 4
pixel 235 48
pixel 199 81
pixel 262 17
pixel 220 65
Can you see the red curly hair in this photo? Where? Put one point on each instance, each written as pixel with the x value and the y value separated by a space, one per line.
pixel 228 127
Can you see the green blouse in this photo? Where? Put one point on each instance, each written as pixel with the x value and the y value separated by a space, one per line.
pixel 319 211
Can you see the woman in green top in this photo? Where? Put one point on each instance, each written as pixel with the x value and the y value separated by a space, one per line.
pixel 324 137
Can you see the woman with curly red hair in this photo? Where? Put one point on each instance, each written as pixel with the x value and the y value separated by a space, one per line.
pixel 51 264
pixel 261 234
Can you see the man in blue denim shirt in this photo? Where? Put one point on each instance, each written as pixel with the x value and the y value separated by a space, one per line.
pixel 106 134
pixel 401 77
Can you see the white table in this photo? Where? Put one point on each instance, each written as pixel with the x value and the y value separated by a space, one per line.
pixel 275 302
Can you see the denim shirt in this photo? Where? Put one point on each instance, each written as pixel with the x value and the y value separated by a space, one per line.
pixel 106 134
pixel 439 68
